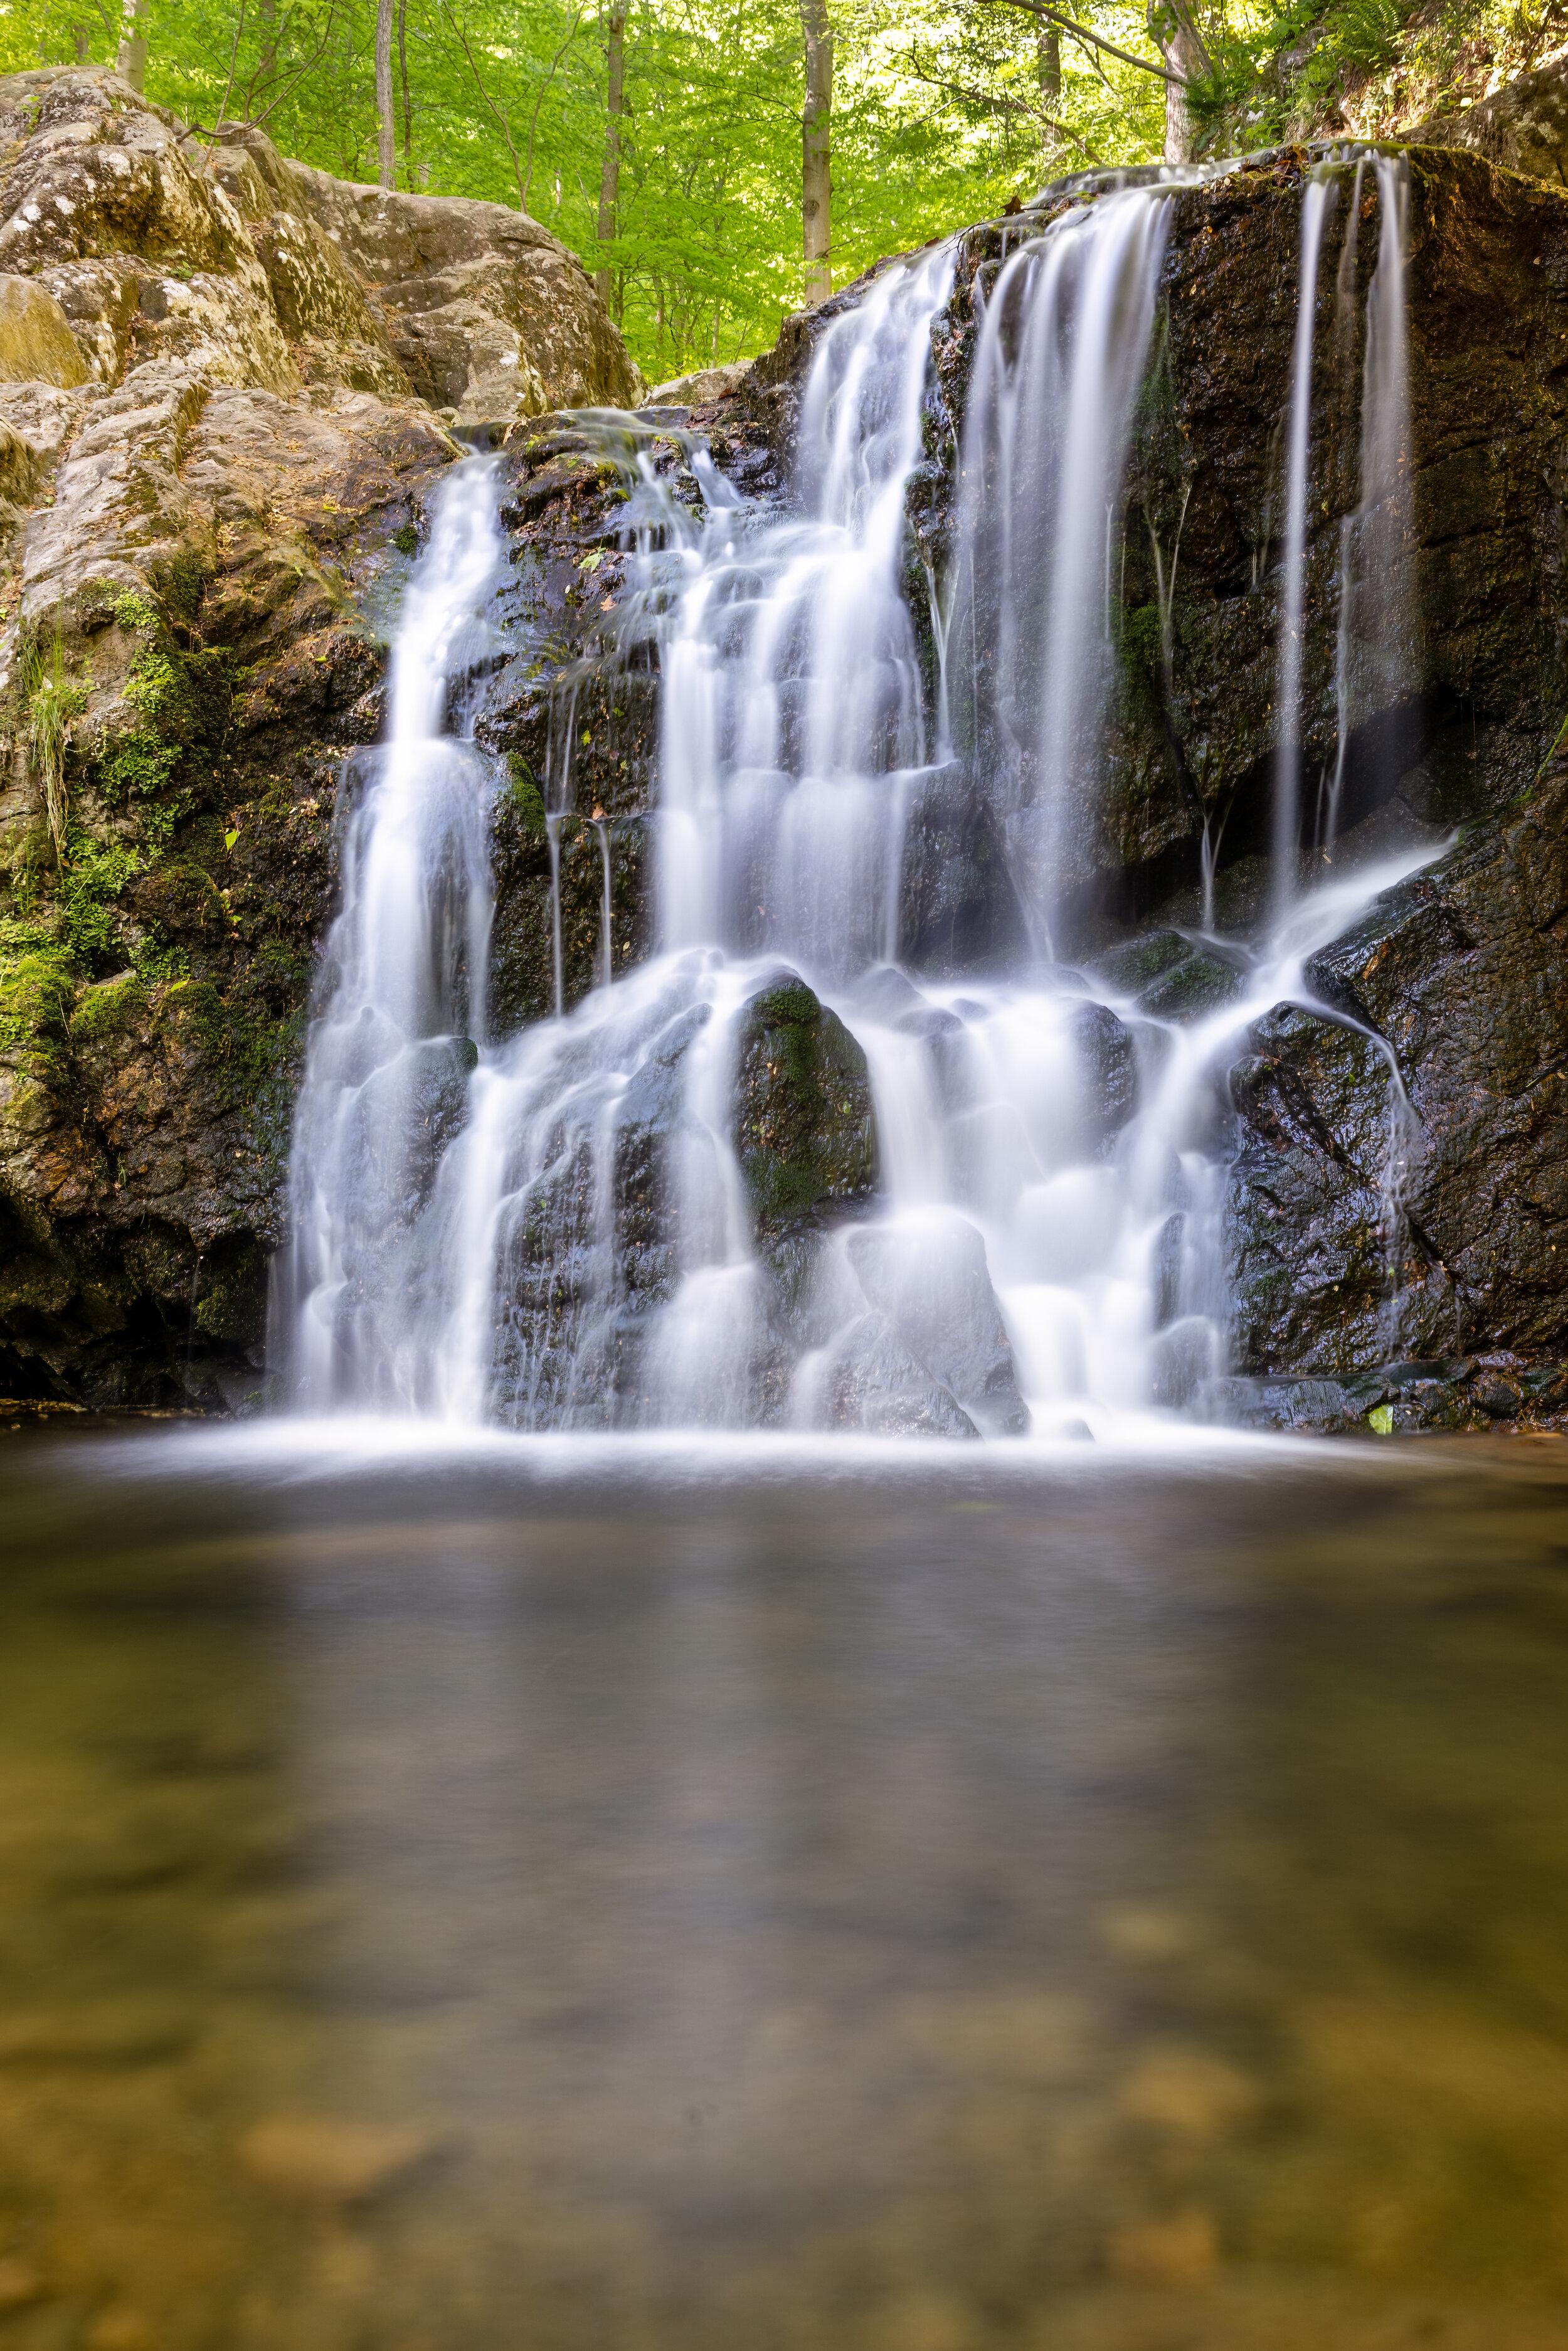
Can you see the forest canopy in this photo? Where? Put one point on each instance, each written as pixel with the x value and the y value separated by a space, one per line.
pixel 943 111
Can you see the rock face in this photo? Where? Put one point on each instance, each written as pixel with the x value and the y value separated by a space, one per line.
pixel 158 246
pixel 214 469
pixel 1524 126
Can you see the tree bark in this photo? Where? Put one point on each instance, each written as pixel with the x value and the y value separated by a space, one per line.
pixel 1176 38
pixel 1048 66
pixel 407 100
pixel 131 62
pixel 816 154
pixel 386 113
pixel 610 169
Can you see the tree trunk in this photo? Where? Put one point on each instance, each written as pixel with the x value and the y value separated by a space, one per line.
pixel 407 100
pixel 1048 66
pixel 82 40
pixel 131 62
pixel 1176 38
pixel 816 177
pixel 386 115
pixel 610 169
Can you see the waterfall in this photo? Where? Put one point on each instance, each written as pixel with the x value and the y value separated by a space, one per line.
pixel 401 1000
pixel 1316 204
pixel 1064 345
pixel 573 1227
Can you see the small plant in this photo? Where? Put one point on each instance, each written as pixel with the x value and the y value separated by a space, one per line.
pixel 54 702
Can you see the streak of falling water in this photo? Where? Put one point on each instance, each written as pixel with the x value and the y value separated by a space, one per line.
pixel 1064 343
pixel 402 990
pixel 1317 203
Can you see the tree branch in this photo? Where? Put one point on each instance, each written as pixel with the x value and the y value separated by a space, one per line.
pixel 506 127
pixel 1001 105
pixel 1081 33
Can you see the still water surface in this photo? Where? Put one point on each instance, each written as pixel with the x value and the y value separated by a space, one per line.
pixel 546 1896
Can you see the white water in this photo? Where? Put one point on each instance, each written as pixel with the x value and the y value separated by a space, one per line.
pixel 583 1253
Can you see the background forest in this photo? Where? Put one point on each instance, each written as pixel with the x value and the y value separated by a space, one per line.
pixel 942 110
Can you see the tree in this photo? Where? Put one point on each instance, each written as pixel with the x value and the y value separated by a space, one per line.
pixel 386 117
pixel 816 157
pixel 610 169
pixel 133 58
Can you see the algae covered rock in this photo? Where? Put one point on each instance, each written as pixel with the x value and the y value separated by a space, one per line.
pixel 37 345
pixel 804 1129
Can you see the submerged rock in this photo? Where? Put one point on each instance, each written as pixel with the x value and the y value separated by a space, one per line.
pixel 932 1284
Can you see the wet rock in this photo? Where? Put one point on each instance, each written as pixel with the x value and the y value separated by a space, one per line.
pixel 934 1287
pixel 37 345
pixel 804 1128
pixel 875 1384
pixel 1171 976
pixel 1457 974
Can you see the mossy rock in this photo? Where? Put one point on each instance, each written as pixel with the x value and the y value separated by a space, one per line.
pixel 805 1132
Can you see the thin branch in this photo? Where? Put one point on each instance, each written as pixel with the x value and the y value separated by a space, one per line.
pixel 256 121
pixel 228 91
pixel 1002 106
pixel 539 99
pixel 506 127
pixel 1081 33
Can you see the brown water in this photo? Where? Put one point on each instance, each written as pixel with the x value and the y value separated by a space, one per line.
pixel 552 1898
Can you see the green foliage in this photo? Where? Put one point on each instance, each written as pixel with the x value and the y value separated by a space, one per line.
pixel 54 701
pixel 87 891
pixel 944 111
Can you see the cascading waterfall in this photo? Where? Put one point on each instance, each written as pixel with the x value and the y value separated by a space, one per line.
pixel 1064 343
pixel 391 1048
pixel 555 1230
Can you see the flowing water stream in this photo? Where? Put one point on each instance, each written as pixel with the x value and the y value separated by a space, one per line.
pixel 1044 1245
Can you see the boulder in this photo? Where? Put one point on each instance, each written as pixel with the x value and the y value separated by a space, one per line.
pixel 488 314
pixel 1423 1215
pixel 804 1129
pixel 930 1281
pixel 37 345
pixel 1523 125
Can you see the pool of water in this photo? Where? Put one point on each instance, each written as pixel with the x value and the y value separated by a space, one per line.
pixel 576 1897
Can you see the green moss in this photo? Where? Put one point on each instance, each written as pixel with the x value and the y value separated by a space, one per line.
pixel 526 794
pixel 133 611
pixel 87 891
pixel 406 540
pixel 106 1010
pixel 37 994
pixel 183 699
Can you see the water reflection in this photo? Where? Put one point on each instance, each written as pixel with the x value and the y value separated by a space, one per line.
pixel 483 1901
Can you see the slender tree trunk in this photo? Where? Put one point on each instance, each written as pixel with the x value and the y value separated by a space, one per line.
pixel 407 100
pixel 816 156
pixel 386 115
pixel 131 62
pixel 1048 67
pixel 610 169
pixel 1176 38
pixel 81 39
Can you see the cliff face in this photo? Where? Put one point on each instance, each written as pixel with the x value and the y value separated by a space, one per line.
pixel 202 567
pixel 225 384
pixel 1453 985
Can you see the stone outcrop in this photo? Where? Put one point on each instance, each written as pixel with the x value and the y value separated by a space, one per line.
pixel 213 464
pixel 1523 125
pixel 158 244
